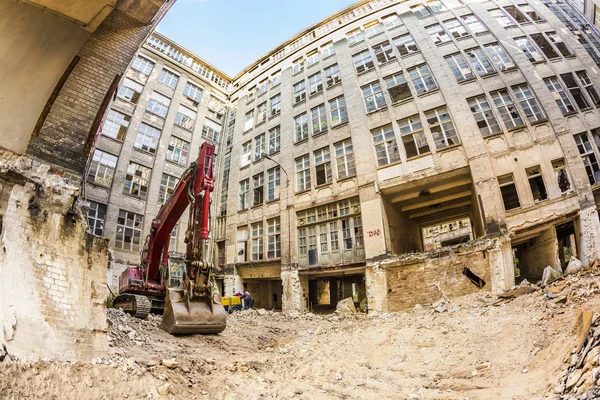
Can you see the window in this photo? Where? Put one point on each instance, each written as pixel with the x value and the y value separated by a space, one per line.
pixel 436 6
pixel 136 180
pixel 303 173
pixel 276 80
pixel 250 96
pixel 413 137
pixel 242 243
pixel 257 241
pixel 437 34
pixel 384 52
pixel 249 120
pixel 373 96
pixel 129 231
pixel 543 44
pixel 420 11
pixel 474 25
pixel 391 21
pixel 528 103
pixel 316 83
pixel 529 49
pixel 158 104
pixel 275 105
pixel 116 125
pixel 346 234
pixel 500 59
pixel 323 166
pixel 298 66
pixel 339 114
pixel 168 78
pixel 507 109
pixel 559 44
pixel 374 29
pixel 575 90
pixel 482 111
pixel 358 231
pixel 589 157
pixel 536 183
pixel 530 12
pixel 332 75
pixel 344 155
pixel 406 44
pixel 96 217
pixel 274 238
pixel 501 17
pixel 508 189
pixel 459 67
pixel 261 114
pixel 299 92
pixel 301 127
pixel 560 95
pixel 313 58
pixel 456 29
pixel 264 87
pixel 422 79
pixel 479 61
pixel 327 50
pixel 178 150
pixel 516 14
pixel 356 36
pixel 386 147
pixel 244 189
pixel 397 87
pixel 192 91
pixel 589 87
pixel 302 242
pixel 560 171
pixel 173 238
pixel 363 61
pixel 186 117
pixel 274 139
pixel 273 183
pixel 441 127
pixel 319 119
pixel 130 91
pixel 246 154
pixel 143 65
pixel 258 189
pixel 259 146
pixel 167 185
pixel 147 138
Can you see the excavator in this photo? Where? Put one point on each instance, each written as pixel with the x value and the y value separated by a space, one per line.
pixel 192 306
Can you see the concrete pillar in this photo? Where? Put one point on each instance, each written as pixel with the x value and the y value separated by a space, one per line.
pixel 502 270
pixel 233 284
pixel 376 285
pixel 295 291
pixel 589 242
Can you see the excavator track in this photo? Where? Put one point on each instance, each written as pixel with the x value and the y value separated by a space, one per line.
pixel 133 304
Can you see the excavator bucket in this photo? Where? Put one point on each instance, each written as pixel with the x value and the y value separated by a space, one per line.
pixel 184 314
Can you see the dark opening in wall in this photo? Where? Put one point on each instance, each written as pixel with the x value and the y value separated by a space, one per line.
pixel 477 281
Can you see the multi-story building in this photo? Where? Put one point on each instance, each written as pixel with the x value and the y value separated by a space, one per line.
pixel 356 148
pixel 169 102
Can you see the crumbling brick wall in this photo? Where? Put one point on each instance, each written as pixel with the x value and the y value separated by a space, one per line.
pixel 52 290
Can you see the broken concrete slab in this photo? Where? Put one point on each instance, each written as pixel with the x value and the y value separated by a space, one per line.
pixel 346 306
pixel 582 326
pixel 574 266
pixel 550 275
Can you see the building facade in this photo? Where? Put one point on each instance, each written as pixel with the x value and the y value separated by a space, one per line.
pixel 398 152
pixel 169 102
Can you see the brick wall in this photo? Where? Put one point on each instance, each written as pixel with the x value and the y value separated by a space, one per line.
pixel 63 137
pixel 52 290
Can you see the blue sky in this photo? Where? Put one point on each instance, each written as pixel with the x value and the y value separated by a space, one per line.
pixel 254 26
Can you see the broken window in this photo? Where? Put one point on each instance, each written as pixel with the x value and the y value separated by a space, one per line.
pixel 344 155
pixel 316 83
pixel 186 117
pixel 413 137
pixel 406 44
pixel 575 91
pixel 129 231
pixel 530 12
pixel 589 87
pixel 358 231
pixel 299 92
pixel 386 147
pixel 130 91
pixel 528 103
pixel 261 113
pixel 529 49
pixel 323 238
pixel 437 34
pixel 543 44
pixel 275 105
pixel 397 87
pixel 536 183
pixel 422 79
pixel 420 11
pixel 507 109
pixel 373 96
pixel 501 17
pixel 136 180
pixel 116 125
pixel 158 104
pixel 516 14
pixel 484 116
pixel 258 189
pixel 559 44
pixel 455 28
pixel 259 146
pixel 588 155
pixel 459 67
pixel 384 52
pixel 560 95
pixel 242 243
pixel 167 185
pixel 441 127
pixel 303 173
pixel 96 218
pixel 562 179
pixel 323 166
pixel 274 238
pixel 508 189
pixel 332 75
pixel 346 234
pixel 479 61
pixel 244 189
pixel 474 24
pixel 177 151
pixel 363 61
pixel 211 130
pixel 257 241
pixel 301 127
pixel 436 6
pixel 500 58
pixel 147 138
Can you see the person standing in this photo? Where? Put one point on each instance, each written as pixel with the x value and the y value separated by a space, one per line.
pixel 248 300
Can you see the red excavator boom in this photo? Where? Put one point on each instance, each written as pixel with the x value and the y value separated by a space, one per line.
pixel 194 307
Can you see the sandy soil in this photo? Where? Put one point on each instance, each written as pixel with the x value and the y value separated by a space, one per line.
pixel 472 350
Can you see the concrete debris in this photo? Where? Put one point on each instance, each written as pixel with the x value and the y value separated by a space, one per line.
pixel 165 389
pixel 440 306
pixel 170 363
pixel 346 306
pixel 574 266
pixel 550 275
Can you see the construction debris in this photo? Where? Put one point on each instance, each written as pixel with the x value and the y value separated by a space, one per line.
pixel 346 306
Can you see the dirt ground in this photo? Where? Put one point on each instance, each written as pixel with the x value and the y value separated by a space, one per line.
pixel 466 348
